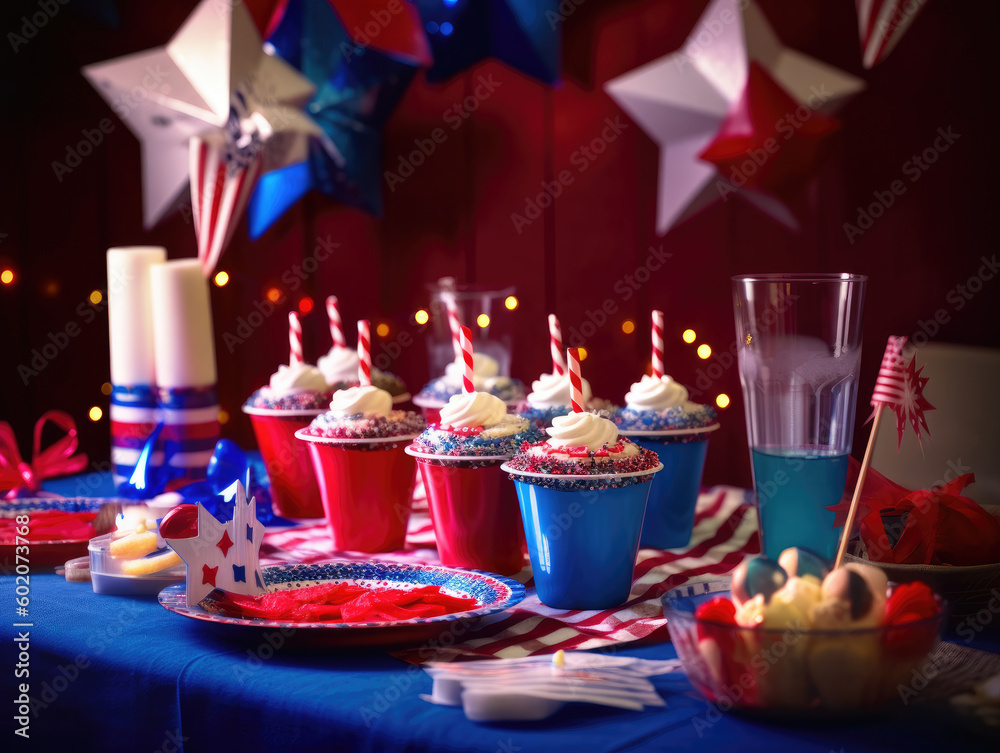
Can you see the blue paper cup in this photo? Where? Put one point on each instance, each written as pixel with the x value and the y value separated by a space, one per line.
pixel 670 510
pixel 582 543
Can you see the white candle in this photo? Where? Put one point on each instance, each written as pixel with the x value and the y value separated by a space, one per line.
pixel 182 325
pixel 130 315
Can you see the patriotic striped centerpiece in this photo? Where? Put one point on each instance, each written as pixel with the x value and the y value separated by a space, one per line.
pixel 190 418
pixel 134 415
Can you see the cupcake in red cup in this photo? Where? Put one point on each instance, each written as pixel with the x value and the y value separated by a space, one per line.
pixel 365 477
pixel 486 378
pixel 476 519
pixel 295 394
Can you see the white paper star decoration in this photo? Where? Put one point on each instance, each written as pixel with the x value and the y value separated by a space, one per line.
pixel 211 106
pixel 683 99
pixel 217 555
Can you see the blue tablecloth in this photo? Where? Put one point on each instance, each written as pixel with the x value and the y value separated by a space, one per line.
pixel 123 674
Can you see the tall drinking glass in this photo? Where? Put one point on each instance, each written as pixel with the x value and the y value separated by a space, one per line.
pixel 799 346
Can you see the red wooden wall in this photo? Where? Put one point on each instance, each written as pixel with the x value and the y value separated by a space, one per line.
pixel 453 215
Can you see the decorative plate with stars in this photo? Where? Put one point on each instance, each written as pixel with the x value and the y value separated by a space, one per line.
pixel 493 594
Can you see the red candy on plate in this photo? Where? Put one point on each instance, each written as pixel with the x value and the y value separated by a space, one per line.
pixel 345 602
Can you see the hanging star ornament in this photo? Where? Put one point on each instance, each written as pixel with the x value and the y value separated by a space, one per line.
pixel 881 24
pixel 217 555
pixel 524 34
pixel 733 112
pixel 361 56
pixel 211 109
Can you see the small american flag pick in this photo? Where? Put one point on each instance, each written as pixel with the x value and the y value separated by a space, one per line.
pixel 217 555
pixel 900 387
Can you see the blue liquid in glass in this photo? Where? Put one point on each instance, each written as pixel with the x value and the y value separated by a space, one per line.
pixel 793 489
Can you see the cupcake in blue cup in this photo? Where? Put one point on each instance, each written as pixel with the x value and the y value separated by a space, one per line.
pixel 659 416
pixel 582 494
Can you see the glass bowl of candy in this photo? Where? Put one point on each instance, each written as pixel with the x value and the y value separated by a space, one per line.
pixel 794 638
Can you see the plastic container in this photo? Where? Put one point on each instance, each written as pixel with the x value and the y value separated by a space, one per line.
pixel 108 574
pixel 797 672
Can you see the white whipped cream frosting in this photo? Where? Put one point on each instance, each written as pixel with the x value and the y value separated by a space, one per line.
pixel 299 377
pixel 485 373
pixel 582 430
pixel 339 365
pixel 473 409
pixel 368 400
pixel 650 393
pixel 553 390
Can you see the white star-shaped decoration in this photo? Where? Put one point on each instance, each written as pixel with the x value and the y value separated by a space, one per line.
pixel 682 99
pixel 211 93
pixel 219 555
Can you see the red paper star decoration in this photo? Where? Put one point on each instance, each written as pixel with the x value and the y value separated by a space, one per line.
pixel 914 403
pixel 769 142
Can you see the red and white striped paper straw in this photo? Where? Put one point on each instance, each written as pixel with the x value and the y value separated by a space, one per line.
pixel 294 339
pixel 555 344
pixel 468 386
pixel 454 324
pixel 658 369
pixel 890 384
pixel 364 352
pixel 336 324
pixel 575 380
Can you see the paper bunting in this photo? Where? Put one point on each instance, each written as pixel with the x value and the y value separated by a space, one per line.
pixel 217 555
pixel 209 108
pixel 733 112
pixel 361 57
pixel 524 34
pixel 881 24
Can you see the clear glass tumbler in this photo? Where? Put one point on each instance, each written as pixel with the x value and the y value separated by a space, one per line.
pixel 799 346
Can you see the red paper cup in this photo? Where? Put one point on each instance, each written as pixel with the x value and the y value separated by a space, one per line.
pixel 430 407
pixel 367 488
pixel 294 491
pixel 477 521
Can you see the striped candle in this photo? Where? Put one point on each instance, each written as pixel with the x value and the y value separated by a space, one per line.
pixel 556 346
pixel 468 386
pixel 575 379
pixel 364 353
pixel 294 339
pixel 658 370
pixel 190 418
pixel 336 324
pixel 133 411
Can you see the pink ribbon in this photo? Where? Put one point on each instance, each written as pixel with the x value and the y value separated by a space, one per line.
pixel 58 459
